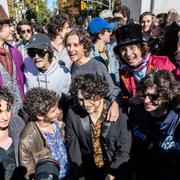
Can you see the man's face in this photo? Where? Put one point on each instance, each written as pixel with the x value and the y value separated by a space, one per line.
pixel 89 105
pixel 131 54
pixel 5 114
pixel 40 58
pixel 26 32
pixel 5 32
pixel 75 50
pixel 65 29
pixel 53 114
pixel 152 100
pixel 106 36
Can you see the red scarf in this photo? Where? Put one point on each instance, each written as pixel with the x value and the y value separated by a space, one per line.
pixel 5 60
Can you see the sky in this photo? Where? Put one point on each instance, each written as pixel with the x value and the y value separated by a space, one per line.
pixel 51 4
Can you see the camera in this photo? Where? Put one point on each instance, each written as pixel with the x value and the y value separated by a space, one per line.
pixel 47 169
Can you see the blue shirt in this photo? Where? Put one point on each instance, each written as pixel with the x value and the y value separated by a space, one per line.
pixel 58 150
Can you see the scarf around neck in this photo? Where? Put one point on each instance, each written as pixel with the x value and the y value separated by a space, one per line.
pixel 5 60
pixel 141 65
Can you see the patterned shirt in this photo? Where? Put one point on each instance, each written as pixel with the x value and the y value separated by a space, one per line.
pixel 58 150
pixel 99 159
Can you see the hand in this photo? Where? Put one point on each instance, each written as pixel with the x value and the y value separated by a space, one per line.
pixel 109 177
pixel 113 112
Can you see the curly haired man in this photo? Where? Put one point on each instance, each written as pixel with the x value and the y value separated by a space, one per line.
pixel 98 149
pixel 42 136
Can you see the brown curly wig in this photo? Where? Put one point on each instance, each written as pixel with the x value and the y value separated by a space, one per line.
pixel 166 86
pixel 92 86
pixel 38 101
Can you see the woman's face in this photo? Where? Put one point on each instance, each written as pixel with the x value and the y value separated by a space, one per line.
pixel 146 23
pixel 131 54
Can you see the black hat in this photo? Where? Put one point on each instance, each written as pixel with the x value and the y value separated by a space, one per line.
pixel 128 34
pixel 39 41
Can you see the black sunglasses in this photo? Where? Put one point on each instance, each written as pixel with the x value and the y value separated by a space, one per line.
pixel 32 52
pixel 152 97
pixel 26 30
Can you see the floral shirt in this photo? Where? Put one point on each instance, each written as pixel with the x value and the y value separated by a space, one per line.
pixel 99 158
pixel 58 150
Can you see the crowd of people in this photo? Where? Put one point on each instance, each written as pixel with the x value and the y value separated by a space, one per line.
pixel 100 102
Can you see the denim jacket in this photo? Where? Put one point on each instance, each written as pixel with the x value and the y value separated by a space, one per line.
pixel 113 63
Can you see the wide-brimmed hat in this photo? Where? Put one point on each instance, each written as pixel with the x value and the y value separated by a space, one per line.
pixel 98 24
pixel 3 16
pixel 128 34
pixel 39 41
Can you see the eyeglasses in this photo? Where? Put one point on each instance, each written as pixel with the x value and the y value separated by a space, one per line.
pixel 32 52
pixel 26 31
pixel 152 97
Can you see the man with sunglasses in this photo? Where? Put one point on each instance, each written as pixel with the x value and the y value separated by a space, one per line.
pixel 25 32
pixel 155 126
pixel 42 70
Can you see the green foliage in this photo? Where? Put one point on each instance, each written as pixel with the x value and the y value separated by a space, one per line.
pixel 37 9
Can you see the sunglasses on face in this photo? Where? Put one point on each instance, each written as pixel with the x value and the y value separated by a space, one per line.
pixel 32 52
pixel 26 31
pixel 152 97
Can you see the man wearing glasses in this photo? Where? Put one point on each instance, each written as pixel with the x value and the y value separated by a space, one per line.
pixel 25 32
pixel 42 70
pixel 155 126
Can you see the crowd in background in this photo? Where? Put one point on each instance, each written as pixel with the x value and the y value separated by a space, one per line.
pixel 91 101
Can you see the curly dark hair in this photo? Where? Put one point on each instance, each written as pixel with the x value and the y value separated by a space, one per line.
pixel 92 86
pixel 167 86
pixel 84 39
pixel 38 101
pixel 6 95
pixel 56 24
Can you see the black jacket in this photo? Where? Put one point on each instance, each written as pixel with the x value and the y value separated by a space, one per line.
pixel 115 136
pixel 149 158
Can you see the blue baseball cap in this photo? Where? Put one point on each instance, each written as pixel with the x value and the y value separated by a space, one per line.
pixel 98 24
